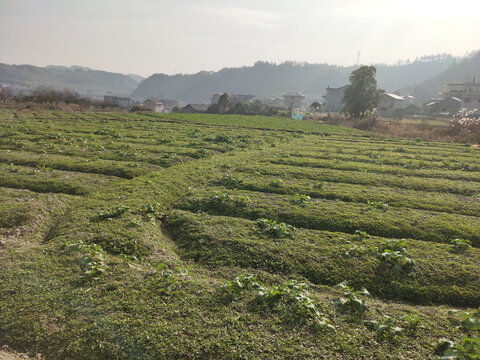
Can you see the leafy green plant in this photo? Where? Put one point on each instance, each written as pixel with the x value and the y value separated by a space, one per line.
pixel 301 199
pixel 468 349
pixel 465 320
pixel 395 245
pixel 293 297
pixel 386 327
pixel 354 299
pixel 460 245
pixel 240 283
pixel 276 183
pixel 220 198
pixel 92 260
pixel 396 261
pixel 230 180
pixel 151 211
pixel 170 277
pixel 112 213
pixel 362 234
pixel 319 185
pixel 393 255
pixel 273 228
pixel 359 250
pixel 411 323
pixel 376 205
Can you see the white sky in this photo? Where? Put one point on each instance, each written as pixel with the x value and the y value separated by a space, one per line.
pixel 185 36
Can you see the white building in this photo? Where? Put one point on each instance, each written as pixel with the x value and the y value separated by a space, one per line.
pixel 294 101
pixel 468 93
pixel 154 105
pixel 395 105
pixel 334 98
pixel 246 98
pixel 169 105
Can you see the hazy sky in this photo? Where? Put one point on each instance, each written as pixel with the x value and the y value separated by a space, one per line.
pixel 185 36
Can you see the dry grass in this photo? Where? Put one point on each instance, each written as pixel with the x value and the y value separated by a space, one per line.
pixel 441 129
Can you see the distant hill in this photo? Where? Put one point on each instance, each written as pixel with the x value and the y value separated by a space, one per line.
pixel 269 80
pixel 137 78
pixel 460 71
pixel 81 79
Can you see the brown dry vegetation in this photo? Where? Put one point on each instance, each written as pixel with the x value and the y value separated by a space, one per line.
pixel 443 129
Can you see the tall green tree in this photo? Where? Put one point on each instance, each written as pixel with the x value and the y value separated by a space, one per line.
pixel 362 96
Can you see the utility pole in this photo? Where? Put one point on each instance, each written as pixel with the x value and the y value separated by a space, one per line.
pixel 358 58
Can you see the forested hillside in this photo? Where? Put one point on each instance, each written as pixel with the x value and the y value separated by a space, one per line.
pixel 265 79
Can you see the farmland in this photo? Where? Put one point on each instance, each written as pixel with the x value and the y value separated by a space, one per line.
pixel 178 236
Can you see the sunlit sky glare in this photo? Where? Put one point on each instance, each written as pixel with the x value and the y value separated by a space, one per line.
pixel 186 36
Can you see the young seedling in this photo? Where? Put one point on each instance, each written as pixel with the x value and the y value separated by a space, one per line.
pixel 112 213
pixel 92 261
pixel 460 245
pixel 231 181
pixel 273 228
pixel 355 300
pixel 362 234
pixel 376 205
pixel 385 327
pixel 236 286
pixel 301 199
pixel 319 185
pixel 294 298
pixel 276 183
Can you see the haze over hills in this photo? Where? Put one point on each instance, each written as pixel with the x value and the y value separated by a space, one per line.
pixel 422 78
pixel 268 80
pixel 463 70
pixel 78 78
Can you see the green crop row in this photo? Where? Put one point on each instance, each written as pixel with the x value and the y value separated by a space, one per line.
pixel 340 216
pixel 364 178
pixel 443 202
pixel 439 276
pixel 124 169
pixel 382 169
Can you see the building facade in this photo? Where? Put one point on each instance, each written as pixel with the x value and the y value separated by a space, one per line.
pixel 121 101
pixel 334 98
pixel 154 105
pixel 294 101
pixel 195 108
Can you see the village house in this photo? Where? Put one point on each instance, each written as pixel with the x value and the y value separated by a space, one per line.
pixel 397 105
pixel 392 105
pixel 195 108
pixel 121 101
pixel 334 98
pixel 294 101
pixel 169 105
pixel 154 105
pixel 448 106
pixel 241 98
pixel 468 93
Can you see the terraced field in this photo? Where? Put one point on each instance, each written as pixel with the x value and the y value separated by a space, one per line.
pixel 175 236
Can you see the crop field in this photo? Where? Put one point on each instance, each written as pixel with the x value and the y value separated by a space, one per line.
pixel 194 236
